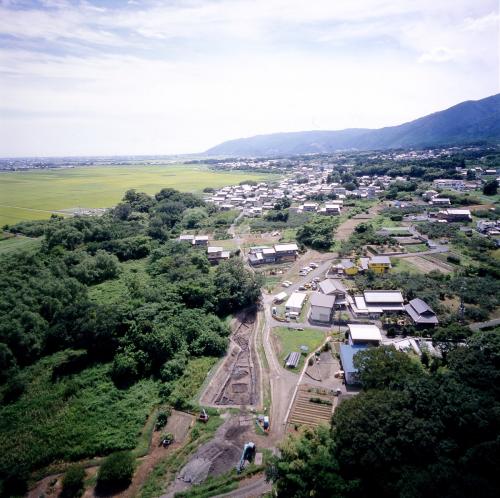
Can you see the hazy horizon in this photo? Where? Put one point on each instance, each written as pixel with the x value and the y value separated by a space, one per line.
pixel 112 78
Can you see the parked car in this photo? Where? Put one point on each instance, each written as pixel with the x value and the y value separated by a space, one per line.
pixel 302 288
pixel 285 284
pixel 314 265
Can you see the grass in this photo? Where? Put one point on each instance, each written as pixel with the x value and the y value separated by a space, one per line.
pixel 15 244
pixel 133 275
pixel 27 195
pixel 401 265
pixel 291 339
pixel 197 370
pixel 416 248
pixel 79 416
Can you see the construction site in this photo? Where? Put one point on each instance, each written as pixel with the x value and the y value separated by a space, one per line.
pixel 236 381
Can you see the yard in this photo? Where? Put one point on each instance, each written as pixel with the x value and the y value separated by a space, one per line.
pixel 403 265
pixel 287 340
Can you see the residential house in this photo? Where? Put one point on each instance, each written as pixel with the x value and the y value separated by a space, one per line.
pixel 295 302
pixel 334 287
pixel 421 313
pixel 322 307
pixel 379 264
pixel 366 334
pixel 216 254
pixel 347 353
pixel 349 267
pixel 449 183
pixel 375 303
pixel 454 215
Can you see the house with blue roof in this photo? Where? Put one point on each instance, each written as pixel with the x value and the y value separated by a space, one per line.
pixel 347 353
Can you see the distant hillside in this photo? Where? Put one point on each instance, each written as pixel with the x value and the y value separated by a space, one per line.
pixel 463 123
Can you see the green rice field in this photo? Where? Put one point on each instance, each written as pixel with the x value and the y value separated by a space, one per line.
pixel 29 195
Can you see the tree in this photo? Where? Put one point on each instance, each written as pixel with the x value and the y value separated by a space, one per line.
pixel 477 363
pixel 318 233
pixel 236 287
pixel 193 217
pixel 308 467
pixel 116 472
pixel 490 187
pixel 138 201
pixel 384 367
pixel 72 484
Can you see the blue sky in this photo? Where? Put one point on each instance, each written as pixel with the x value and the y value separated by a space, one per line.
pixel 159 77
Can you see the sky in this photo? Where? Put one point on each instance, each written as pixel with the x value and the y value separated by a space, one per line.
pixel 99 77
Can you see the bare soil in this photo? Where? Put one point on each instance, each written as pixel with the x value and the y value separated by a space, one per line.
pixel 237 379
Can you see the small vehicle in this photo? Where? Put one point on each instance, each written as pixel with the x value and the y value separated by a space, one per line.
pixel 316 279
pixel 285 284
pixel 307 286
pixel 313 265
pixel 302 273
pixel 274 310
pixel 203 417
pixel 167 439
pixel 300 328
pixel 302 288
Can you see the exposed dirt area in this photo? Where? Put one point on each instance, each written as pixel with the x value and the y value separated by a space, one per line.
pixel 345 229
pixel 235 383
pixel 219 455
pixel 427 264
pixel 312 414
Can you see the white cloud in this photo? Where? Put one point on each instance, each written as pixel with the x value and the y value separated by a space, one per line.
pixel 180 77
pixel 440 54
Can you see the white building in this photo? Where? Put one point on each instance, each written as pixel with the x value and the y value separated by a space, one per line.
pixel 364 334
pixel 295 302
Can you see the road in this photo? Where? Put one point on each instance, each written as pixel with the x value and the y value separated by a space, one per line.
pixel 484 325
pixel 253 489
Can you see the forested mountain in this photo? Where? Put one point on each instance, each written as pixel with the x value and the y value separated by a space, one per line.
pixel 467 122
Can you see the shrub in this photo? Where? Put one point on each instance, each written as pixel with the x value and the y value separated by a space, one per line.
pixel 115 472
pixel 73 482
pixel 161 420
pixel 453 259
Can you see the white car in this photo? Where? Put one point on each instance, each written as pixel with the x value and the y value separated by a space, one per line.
pixel 313 265
pixel 285 284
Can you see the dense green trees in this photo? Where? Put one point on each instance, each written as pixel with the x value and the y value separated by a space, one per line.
pixel 318 233
pixel 161 322
pixel 413 432
pixel 490 187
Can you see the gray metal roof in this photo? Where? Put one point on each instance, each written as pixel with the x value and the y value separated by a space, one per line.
pixel 293 360
pixel 322 300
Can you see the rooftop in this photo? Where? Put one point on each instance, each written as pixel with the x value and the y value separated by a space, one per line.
pixel 322 300
pixel 364 332
pixel 383 296
pixel 347 353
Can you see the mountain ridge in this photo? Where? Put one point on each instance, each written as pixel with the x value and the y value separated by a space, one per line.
pixel 466 122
